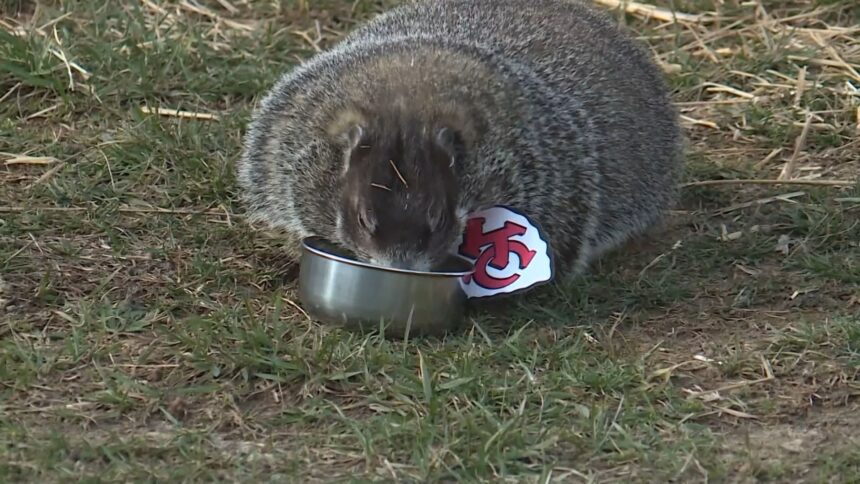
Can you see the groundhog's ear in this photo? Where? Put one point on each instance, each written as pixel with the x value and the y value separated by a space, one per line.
pixel 348 127
pixel 451 142
pixel 354 135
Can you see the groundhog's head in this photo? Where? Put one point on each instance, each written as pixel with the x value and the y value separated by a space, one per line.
pixel 398 207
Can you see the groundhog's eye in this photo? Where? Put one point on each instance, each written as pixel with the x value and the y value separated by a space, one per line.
pixel 438 222
pixel 436 218
pixel 366 220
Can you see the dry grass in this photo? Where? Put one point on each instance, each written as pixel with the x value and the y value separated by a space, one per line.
pixel 147 333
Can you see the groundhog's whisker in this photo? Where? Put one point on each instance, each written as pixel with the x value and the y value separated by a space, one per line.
pixel 403 180
pixel 377 185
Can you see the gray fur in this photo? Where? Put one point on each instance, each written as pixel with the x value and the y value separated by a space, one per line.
pixel 571 120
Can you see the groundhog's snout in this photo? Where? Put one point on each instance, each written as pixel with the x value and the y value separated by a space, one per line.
pixel 404 263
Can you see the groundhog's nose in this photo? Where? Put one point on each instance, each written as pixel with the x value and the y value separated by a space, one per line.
pixel 402 264
pixel 405 264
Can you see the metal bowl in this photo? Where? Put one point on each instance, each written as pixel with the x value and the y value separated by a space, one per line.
pixel 336 288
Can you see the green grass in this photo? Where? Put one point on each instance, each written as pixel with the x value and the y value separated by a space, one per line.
pixel 147 333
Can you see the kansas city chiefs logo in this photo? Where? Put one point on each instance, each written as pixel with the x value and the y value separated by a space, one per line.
pixel 508 251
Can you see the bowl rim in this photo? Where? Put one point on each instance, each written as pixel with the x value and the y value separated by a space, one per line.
pixel 308 246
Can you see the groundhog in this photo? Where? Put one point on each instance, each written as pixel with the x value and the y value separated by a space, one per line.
pixel 387 142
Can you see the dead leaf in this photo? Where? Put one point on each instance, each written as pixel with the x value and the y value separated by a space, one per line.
pixel 795 445
pixel 783 244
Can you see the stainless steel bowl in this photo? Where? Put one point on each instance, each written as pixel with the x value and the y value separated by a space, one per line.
pixel 336 288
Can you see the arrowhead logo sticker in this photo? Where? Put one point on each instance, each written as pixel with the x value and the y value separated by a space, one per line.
pixel 508 251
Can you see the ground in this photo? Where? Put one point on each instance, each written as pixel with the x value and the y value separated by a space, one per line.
pixel 146 332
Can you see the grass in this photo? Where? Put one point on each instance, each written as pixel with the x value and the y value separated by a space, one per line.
pixel 146 333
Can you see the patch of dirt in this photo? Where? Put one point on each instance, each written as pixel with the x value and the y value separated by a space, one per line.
pixel 792 452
